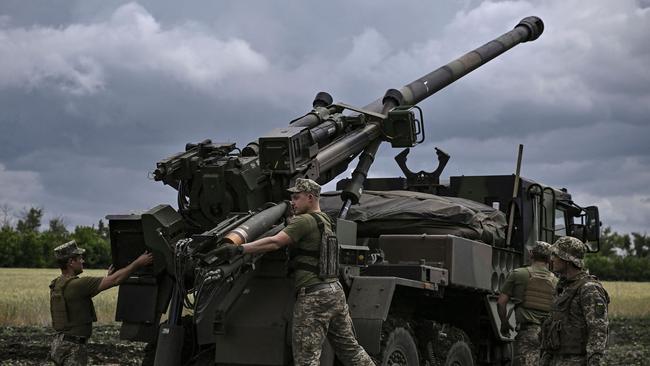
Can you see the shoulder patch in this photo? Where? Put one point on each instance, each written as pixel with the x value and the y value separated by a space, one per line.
pixel 600 308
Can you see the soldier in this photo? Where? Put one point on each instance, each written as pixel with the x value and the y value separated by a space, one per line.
pixel 321 309
pixel 71 302
pixel 576 331
pixel 534 286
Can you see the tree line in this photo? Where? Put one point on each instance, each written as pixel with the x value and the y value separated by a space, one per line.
pixel 622 257
pixel 25 244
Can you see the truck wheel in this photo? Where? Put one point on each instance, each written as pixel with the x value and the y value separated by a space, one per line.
pixel 459 355
pixel 400 349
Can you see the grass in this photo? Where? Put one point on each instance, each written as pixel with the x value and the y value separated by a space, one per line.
pixel 25 298
pixel 628 299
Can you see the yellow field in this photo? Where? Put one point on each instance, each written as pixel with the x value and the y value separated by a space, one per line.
pixel 629 299
pixel 24 298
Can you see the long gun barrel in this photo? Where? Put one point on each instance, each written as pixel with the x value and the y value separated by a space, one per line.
pixel 528 29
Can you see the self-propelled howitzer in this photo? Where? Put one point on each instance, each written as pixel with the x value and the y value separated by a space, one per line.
pixel 231 194
pixel 214 180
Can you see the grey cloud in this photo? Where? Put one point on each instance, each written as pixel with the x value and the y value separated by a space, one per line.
pixel 624 213
pixel 99 91
pixel 19 186
pixel 98 187
pixel 74 59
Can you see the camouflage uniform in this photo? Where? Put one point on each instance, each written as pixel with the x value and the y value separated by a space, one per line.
pixel 534 286
pixel 72 311
pixel 527 346
pixel 576 333
pixel 67 353
pixel 324 313
pixel 321 309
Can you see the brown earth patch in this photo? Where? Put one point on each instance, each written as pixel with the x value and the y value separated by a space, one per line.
pixel 629 345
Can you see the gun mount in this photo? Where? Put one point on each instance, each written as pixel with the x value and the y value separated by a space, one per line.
pixel 214 180
pixel 228 194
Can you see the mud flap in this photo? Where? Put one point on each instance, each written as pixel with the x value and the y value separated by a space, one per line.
pixel 369 301
pixel 170 345
pixel 495 320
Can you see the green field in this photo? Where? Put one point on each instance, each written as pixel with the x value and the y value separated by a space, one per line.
pixel 628 299
pixel 25 297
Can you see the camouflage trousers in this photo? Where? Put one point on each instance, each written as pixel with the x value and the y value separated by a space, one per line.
pixel 527 346
pixel 66 353
pixel 324 313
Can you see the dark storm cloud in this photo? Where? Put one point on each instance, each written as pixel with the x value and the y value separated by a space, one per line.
pixel 97 91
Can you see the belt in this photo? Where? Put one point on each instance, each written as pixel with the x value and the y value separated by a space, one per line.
pixel 74 339
pixel 316 287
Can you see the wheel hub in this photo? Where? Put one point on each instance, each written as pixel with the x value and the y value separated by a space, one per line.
pixel 397 358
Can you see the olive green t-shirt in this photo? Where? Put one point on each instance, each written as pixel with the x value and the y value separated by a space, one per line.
pixel 303 231
pixel 78 300
pixel 515 287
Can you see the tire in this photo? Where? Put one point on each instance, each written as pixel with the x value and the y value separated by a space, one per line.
pixel 460 354
pixel 400 349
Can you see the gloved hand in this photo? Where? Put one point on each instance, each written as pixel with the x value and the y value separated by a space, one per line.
pixel 506 328
pixel 228 251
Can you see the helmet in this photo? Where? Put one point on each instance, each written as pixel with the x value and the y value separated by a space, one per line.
pixel 541 249
pixel 570 249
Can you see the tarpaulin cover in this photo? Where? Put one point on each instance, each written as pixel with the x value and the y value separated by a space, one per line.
pixel 404 212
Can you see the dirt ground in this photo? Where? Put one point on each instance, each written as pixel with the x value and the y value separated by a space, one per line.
pixel 629 345
pixel 31 345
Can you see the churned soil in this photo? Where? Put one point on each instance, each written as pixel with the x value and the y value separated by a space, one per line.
pixel 629 345
pixel 629 342
pixel 31 345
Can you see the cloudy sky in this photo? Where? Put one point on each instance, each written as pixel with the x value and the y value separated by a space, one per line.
pixel 94 92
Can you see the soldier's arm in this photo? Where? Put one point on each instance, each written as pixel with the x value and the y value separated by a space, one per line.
pixel 594 304
pixel 502 302
pixel 292 233
pixel 119 276
pixel 267 244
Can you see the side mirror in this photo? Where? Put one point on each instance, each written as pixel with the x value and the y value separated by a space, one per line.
pixel 578 231
pixel 592 228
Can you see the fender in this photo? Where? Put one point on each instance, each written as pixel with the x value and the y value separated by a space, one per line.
pixel 369 301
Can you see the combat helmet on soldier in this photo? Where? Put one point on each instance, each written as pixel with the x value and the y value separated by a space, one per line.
pixel 571 250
